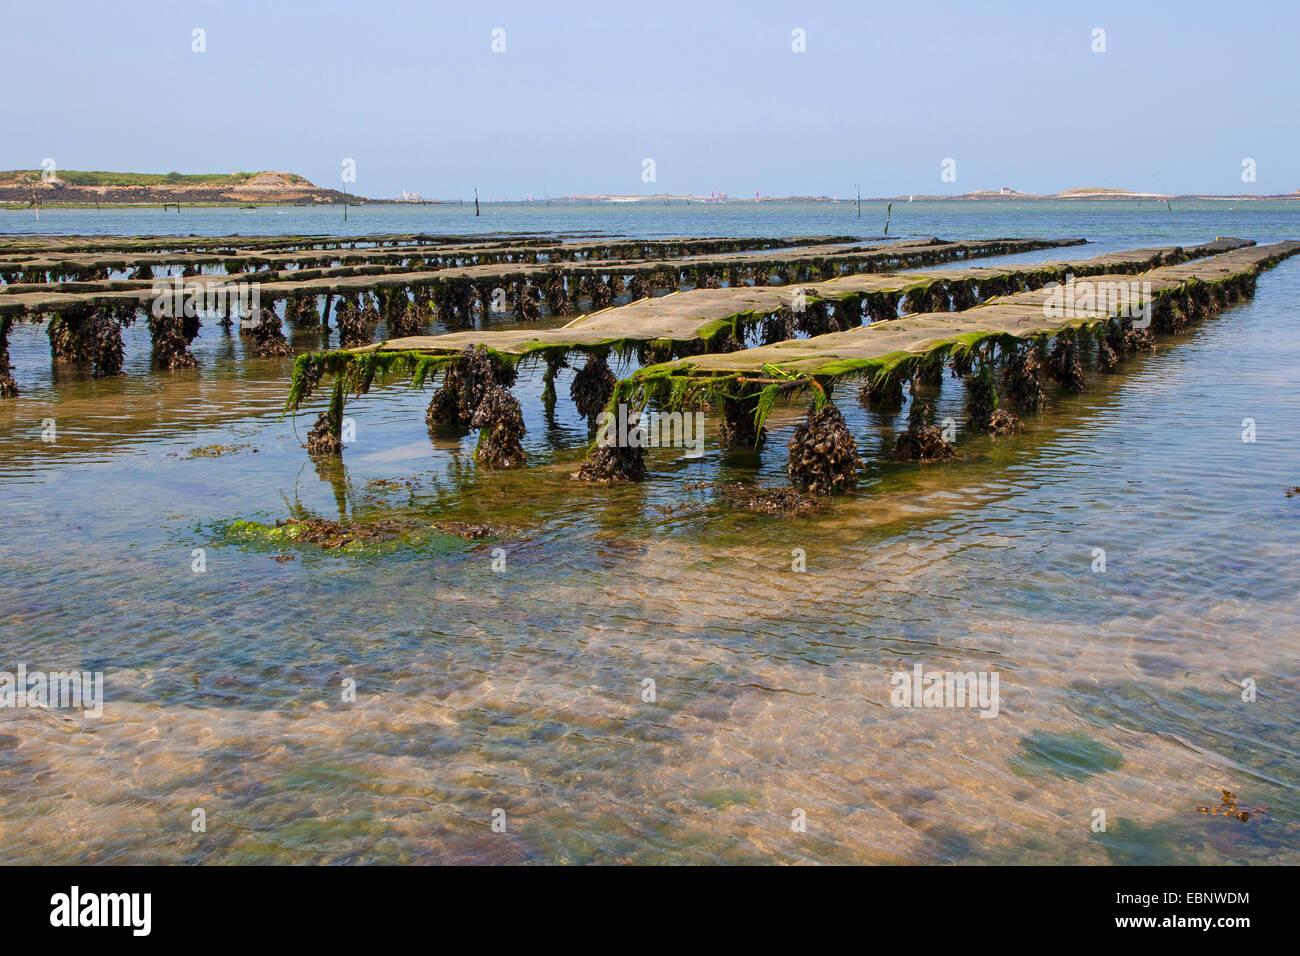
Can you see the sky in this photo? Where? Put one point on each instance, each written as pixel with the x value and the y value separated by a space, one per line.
pixel 714 93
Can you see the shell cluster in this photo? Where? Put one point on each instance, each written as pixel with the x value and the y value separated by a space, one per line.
pixel 501 423
pixel 612 465
pixel 592 387
pixel 922 440
pixel 1063 363
pixel 823 455
pixel 268 336
pixel 1021 384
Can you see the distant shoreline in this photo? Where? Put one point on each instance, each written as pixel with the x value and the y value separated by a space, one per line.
pixel 8 205
pixel 82 189
pixel 73 189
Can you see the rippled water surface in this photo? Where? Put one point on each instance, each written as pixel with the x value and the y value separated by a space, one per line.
pixel 523 689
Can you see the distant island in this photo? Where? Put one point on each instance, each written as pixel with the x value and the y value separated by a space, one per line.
pixel 30 187
pixel 79 188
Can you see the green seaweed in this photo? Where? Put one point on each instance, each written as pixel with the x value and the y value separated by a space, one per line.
pixel 1074 756
pixel 728 797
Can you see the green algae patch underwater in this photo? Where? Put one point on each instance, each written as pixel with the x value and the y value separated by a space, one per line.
pixel 344 537
pixel 728 797
pixel 350 537
pixel 371 538
pixel 1196 839
pixel 1076 756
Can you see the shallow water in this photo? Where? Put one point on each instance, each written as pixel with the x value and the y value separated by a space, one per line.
pixel 522 689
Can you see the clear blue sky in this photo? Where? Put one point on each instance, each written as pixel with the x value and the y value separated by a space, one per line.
pixel 712 91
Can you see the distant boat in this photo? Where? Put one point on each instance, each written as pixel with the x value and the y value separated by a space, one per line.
pixel 909 197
